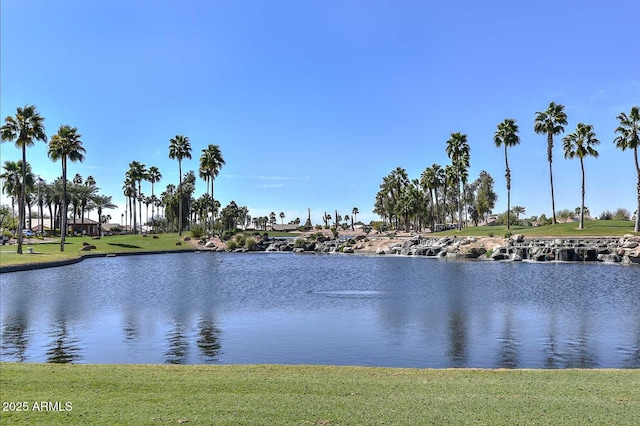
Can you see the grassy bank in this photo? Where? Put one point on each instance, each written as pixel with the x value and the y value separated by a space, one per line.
pixel 592 228
pixel 49 251
pixel 158 394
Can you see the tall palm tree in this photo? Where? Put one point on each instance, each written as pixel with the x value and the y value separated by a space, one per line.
pixel 132 195
pixel 153 176
pixel 431 179
pixel 282 221
pixel 211 162
pixel 90 183
pixel 629 130
pixel 580 144
pixel 25 128
pixel 399 179
pixel 458 152
pixel 12 179
pixel 137 172
pixel 354 212
pixel 179 148
pixel 102 202
pixel 507 135
pixel 129 191
pixel 551 123
pixel 76 195
pixel 65 145
pixel 449 181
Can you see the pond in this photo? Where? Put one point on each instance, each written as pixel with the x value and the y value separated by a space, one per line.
pixel 285 308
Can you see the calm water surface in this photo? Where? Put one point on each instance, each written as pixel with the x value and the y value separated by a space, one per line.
pixel 219 308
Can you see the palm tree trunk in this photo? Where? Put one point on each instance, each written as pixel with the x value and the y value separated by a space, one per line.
pixel 23 194
pixel 459 201
pixel 636 228
pixel 63 219
pixel 140 202
pixel 100 221
pixel 549 155
pixel 179 197
pixel 132 200
pixel 52 219
pixel 582 205
pixel 153 204
pixel 508 177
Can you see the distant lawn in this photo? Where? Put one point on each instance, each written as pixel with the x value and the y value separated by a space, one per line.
pixel 316 395
pixel 595 228
pixel 50 251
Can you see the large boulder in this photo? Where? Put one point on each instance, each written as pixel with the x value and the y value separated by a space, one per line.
pixel 475 252
pixel 518 238
pixel 632 256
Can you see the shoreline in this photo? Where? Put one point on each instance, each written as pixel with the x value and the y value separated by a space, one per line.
pixel 394 244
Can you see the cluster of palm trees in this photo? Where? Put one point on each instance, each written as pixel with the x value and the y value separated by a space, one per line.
pixel 132 190
pixel 26 128
pixel 211 162
pixel 430 198
pixel 580 144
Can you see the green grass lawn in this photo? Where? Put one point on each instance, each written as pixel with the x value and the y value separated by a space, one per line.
pixel 595 228
pixel 317 395
pixel 50 251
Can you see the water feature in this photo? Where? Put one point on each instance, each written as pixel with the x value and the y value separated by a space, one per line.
pixel 221 308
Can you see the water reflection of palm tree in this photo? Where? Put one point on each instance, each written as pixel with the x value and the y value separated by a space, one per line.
pixel 633 360
pixel 209 339
pixel 580 355
pixel 15 338
pixel 458 339
pixel 130 329
pixel 509 350
pixel 178 344
pixel 64 347
pixel 551 344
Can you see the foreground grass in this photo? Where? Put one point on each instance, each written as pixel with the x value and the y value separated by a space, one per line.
pixel 50 251
pixel 592 228
pixel 310 395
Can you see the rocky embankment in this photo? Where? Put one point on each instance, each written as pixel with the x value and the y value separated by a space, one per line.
pixel 624 249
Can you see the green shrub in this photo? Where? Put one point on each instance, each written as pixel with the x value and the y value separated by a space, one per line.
pixel 318 227
pixel 508 234
pixel 226 235
pixel 491 234
pixel 241 240
pixel 488 253
pixel 334 231
pixel 197 231
pixel 300 243
pixel 250 244
pixel 231 245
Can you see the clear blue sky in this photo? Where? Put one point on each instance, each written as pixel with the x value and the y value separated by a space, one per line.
pixel 314 102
